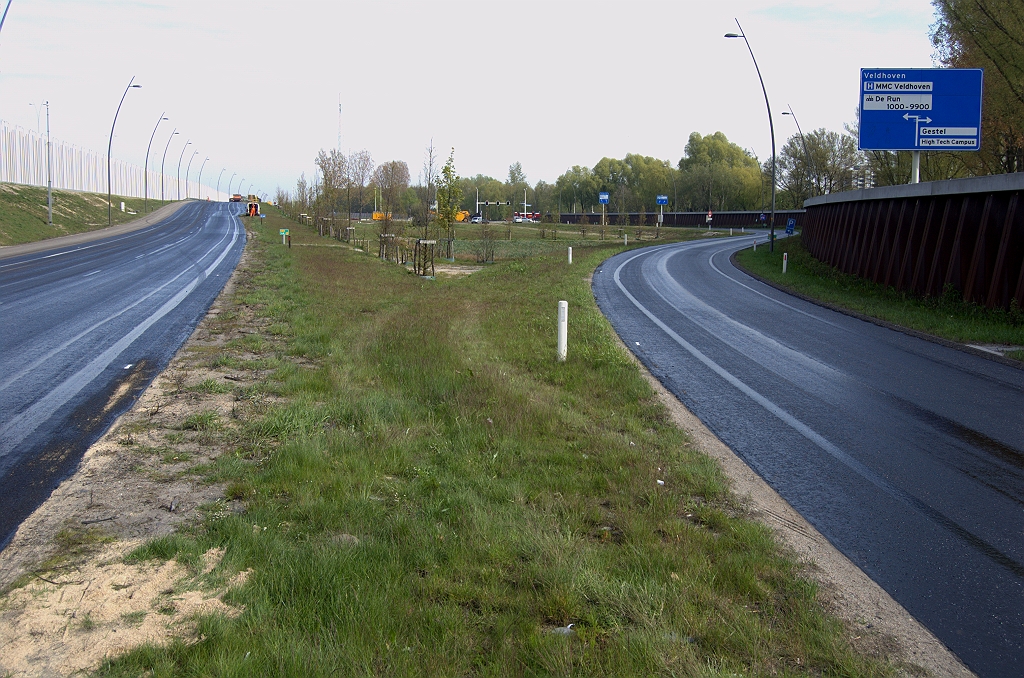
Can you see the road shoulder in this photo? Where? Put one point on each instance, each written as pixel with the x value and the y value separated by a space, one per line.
pixel 8 251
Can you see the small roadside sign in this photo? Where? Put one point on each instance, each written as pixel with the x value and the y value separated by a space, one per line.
pixel 602 198
pixel 790 226
pixel 662 199
pixel 285 231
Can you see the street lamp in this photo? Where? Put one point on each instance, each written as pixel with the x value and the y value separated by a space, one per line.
pixel 807 156
pixel 145 175
pixel 164 161
pixel 200 180
pixel 771 126
pixel 229 184
pixel 110 144
pixel 49 173
pixel 188 142
pixel 240 184
pixel 218 182
pixel 187 168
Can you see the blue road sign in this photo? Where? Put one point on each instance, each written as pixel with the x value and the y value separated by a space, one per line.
pixel 662 199
pixel 790 226
pixel 920 109
pixel 602 198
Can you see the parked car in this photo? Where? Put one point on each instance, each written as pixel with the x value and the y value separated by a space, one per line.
pixel 476 219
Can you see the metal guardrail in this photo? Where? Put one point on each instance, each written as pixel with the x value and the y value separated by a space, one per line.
pixel 964 234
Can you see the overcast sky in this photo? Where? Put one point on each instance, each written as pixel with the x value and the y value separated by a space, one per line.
pixel 255 85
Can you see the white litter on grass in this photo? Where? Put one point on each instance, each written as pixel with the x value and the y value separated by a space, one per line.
pixel 563 630
pixel 661 482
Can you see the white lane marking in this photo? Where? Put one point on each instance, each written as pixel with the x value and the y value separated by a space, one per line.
pixel 761 400
pixel 28 421
pixel 40 360
pixel 93 273
pixel 770 298
pixel 105 241
pixel 832 450
pixel 782 360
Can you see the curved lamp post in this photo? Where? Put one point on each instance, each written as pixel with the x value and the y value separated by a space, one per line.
pixel 239 189
pixel 233 174
pixel 807 156
pixel 110 144
pixel 218 182
pixel 188 142
pixel 145 175
pixel 187 168
pixel 200 179
pixel 771 126
pixel 164 161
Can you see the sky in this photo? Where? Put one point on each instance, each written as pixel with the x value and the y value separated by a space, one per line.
pixel 256 85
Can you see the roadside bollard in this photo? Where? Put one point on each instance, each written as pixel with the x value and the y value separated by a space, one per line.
pixel 785 260
pixel 570 255
pixel 755 245
pixel 730 232
pixel 625 239
pixel 563 329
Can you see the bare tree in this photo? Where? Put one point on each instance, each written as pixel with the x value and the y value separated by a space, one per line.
pixel 426 190
pixel 391 178
pixel 360 166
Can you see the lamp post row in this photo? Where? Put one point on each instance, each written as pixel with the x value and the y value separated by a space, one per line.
pixel 145 174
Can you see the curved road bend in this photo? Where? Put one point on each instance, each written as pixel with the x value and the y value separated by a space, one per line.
pixel 907 455
pixel 84 329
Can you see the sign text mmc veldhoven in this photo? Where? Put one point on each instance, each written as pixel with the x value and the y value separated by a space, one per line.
pixel 920 109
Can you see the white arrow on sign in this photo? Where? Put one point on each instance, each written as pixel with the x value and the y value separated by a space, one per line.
pixel 917 125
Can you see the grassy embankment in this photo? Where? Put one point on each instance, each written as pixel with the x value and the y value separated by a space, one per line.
pixel 947 316
pixel 431 493
pixel 23 213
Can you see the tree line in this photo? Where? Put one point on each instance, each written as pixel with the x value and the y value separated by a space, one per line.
pixel 713 173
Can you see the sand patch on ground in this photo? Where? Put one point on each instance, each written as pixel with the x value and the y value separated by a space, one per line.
pixel 102 608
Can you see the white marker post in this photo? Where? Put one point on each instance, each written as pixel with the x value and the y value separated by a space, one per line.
pixel 570 255
pixel 785 260
pixel 625 239
pixel 563 329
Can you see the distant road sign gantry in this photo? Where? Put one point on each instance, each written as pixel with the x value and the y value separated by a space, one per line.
pixel 920 109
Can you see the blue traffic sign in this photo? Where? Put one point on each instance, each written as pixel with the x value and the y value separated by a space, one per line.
pixel 662 199
pixel 790 226
pixel 920 109
pixel 602 198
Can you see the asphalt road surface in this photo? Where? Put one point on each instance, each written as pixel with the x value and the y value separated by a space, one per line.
pixel 907 455
pixel 85 328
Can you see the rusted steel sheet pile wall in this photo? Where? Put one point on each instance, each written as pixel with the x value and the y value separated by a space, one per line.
pixel 718 219
pixel 967 233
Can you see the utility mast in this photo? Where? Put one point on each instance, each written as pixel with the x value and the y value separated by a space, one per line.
pixel 339 122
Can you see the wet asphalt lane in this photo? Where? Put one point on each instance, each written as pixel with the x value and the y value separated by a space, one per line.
pixel 907 455
pixel 84 329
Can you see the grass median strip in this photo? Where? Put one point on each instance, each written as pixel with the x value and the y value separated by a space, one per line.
pixel 948 316
pixel 431 493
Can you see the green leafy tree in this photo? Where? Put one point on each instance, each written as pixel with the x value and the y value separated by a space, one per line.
pixel 988 34
pixel 717 174
pixel 449 196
